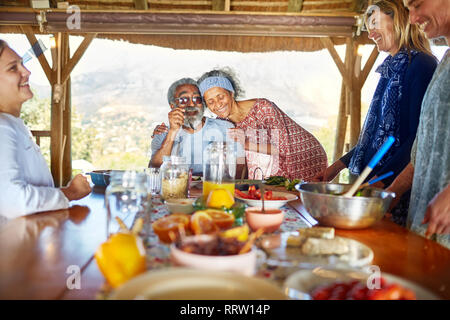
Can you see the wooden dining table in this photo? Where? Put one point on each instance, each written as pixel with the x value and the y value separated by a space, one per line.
pixel 50 255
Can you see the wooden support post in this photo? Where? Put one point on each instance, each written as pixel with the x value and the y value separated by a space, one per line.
pixel 77 56
pixel 295 5
pixel 218 5
pixel 355 99
pixel 141 4
pixel 368 66
pixel 341 126
pixel 66 149
pixel 56 135
pixel 328 44
pixel 28 31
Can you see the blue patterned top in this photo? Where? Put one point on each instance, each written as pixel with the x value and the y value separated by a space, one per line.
pixel 394 110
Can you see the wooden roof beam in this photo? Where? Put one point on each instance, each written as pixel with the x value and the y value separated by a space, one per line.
pixel 191 23
pixel 77 56
pixel 328 44
pixel 28 31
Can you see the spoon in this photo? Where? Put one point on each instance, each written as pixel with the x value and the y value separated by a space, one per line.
pixel 373 162
pixel 369 183
pixel 382 177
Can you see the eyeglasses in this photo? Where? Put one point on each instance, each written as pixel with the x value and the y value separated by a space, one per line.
pixel 185 100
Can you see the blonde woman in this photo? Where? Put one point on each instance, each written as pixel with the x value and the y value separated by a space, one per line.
pixel 25 181
pixel 395 107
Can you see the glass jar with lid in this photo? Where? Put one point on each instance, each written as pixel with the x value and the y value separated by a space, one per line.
pixel 219 167
pixel 174 177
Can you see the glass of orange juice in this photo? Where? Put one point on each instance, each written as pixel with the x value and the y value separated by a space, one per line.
pixel 209 186
pixel 219 168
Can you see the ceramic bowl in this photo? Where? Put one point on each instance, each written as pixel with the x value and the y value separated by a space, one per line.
pixel 270 220
pixel 240 263
pixel 184 205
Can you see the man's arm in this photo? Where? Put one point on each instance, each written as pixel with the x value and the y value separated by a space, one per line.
pixel 165 149
pixel 176 120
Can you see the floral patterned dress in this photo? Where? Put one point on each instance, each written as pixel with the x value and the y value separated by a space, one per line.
pixel 295 152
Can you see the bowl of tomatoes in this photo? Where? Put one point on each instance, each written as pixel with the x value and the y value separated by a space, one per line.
pixel 272 199
pixel 328 283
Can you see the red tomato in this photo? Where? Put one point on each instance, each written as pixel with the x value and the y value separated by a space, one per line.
pixel 321 293
pixel 358 291
pixel 268 195
pixel 241 194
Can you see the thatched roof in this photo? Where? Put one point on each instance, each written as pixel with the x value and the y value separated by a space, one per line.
pixel 248 26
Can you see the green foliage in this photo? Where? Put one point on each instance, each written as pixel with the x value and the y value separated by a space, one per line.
pixel 122 161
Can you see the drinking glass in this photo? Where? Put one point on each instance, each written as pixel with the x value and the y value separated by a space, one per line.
pixel 154 180
pixel 126 196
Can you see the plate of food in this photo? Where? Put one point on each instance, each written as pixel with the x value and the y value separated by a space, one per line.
pixel 315 246
pixel 272 199
pixel 325 283
pixel 179 283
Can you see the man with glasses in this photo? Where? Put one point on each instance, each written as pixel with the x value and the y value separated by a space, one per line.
pixel 189 131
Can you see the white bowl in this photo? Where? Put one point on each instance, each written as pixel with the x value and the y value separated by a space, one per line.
pixel 183 283
pixel 270 204
pixel 241 263
pixel 184 205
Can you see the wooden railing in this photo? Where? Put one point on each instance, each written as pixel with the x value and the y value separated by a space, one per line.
pixel 40 133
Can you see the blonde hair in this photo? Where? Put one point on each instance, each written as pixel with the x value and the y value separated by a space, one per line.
pixel 407 36
pixel 3 45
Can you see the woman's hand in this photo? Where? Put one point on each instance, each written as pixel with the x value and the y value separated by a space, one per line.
pixel 329 173
pixel 160 129
pixel 438 214
pixel 77 188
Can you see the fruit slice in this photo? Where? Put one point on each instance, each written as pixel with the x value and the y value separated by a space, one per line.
pixel 221 218
pixel 219 198
pixel 121 258
pixel 239 233
pixel 203 223
pixel 163 226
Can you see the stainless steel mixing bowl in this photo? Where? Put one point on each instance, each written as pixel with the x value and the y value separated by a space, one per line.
pixel 329 209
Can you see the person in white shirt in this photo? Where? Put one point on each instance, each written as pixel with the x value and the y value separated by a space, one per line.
pixel 26 183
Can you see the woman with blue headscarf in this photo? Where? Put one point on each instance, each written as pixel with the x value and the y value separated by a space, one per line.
pixel 272 141
pixel 395 107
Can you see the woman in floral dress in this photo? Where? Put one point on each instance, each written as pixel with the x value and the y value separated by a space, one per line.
pixel 272 140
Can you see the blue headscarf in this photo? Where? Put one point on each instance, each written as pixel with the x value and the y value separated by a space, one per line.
pixel 386 105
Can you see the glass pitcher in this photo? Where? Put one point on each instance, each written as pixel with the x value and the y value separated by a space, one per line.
pixel 127 194
pixel 219 167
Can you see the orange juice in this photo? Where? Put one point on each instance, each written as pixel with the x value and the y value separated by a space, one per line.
pixel 208 186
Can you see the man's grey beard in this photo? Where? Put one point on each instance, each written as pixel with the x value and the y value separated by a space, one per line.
pixel 193 121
